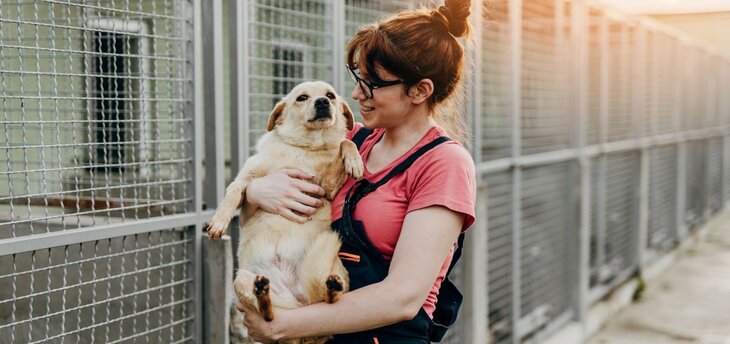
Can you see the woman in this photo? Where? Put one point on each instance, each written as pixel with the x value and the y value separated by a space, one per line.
pixel 406 68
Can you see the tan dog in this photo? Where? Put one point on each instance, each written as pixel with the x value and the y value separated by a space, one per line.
pixel 284 264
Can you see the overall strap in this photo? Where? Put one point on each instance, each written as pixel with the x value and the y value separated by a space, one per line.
pixel 361 135
pixel 363 187
pixel 457 253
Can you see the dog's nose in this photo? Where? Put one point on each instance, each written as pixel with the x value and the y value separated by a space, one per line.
pixel 322 102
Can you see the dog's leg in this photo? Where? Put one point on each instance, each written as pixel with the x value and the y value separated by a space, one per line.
pixel 243 287
pixel 321 271
pixel 218 224
pixel 337 282
pixel 253 290
pixel 233 199
pixel 333 173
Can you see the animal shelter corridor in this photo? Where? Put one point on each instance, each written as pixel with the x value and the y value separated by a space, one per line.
pixel 601 142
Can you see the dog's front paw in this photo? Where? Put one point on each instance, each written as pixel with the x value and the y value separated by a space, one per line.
pixel 354 166
pixel 215 228
pixel 335 286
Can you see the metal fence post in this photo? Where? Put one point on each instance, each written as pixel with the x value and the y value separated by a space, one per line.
pixel 197 154
pixel 239 100
pixel 641 110
pixel 515 20
pixel 476 281
pixel 682 89
pixel 213 100
pixel 477 309
pixel 578 90
pixel 218 266
pixel 338 39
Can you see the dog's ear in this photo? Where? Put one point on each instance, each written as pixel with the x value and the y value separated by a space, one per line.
pixel 275 114
pixel 349 118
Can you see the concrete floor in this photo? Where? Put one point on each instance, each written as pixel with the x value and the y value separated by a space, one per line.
pixel 688 303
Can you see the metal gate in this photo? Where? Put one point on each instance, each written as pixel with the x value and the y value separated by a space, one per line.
pixel 98 201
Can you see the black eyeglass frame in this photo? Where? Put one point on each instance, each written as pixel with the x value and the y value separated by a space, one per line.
pixel 370 86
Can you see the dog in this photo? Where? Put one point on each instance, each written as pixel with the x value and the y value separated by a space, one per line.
pixel 284 264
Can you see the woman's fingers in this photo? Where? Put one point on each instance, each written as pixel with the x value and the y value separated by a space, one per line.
pixel 297 173
pixel 310 188
pixel 289 214
pixel 300 207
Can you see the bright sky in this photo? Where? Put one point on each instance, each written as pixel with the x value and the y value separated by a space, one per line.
pixel 669 6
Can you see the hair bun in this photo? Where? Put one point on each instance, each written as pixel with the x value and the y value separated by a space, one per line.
pixel 454 14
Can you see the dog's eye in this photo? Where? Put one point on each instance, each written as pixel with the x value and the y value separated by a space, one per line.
pixel 302 98
pixel 330 95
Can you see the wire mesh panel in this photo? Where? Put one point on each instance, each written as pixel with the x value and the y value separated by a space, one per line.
pixel 724 88
pixel 694 110
pixel 289 42
pixel 96 116
pixel 646 109
pixel 665 80
pixel 595 77
pixel 500 267
pixel 713 115
pixel 714 165
pixel 496 85
pixel 357 14
pixel 622 212
pixel 696 182
pixel 364 12
pixel 617 221
pixel 621 82
pixel 660 73
pixel 546 123
pixel 598 190
pixel 548 245
pixel 130 289
pixel 662 228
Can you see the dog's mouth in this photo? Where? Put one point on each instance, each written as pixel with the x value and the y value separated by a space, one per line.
pixel 321 115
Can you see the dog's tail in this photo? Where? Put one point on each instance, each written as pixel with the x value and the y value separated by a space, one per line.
pixel 319 263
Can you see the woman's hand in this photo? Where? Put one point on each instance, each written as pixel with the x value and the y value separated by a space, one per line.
pixel 258 329
pixel 287 192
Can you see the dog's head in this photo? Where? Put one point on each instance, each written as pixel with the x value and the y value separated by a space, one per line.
pixel 311 105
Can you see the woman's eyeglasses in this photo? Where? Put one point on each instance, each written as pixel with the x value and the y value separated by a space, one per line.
pixel 367 87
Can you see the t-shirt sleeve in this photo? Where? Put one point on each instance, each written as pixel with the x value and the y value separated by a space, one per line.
pixel 448 179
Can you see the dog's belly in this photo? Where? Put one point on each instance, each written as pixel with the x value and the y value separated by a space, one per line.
pixel 274 247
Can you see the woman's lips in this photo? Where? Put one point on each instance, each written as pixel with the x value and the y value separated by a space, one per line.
pixel 366 109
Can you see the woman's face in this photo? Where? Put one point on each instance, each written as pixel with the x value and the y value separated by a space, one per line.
pixel 389 105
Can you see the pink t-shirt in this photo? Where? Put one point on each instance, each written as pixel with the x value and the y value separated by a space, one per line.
pixel 443 176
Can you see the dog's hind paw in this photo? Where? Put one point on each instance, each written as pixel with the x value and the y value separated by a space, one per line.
pixel 335 286
pixel 261 290
pixel 261 285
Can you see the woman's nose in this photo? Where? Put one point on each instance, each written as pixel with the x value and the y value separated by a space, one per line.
pixel 357 93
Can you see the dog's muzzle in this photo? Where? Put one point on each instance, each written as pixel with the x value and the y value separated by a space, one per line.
pixel 322 109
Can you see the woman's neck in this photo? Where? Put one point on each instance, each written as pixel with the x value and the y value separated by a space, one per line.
pixel 407 134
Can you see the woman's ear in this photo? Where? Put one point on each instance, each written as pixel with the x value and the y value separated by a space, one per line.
pixel 421 91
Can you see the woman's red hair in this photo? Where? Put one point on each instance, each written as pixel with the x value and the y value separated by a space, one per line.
pixel 416 45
